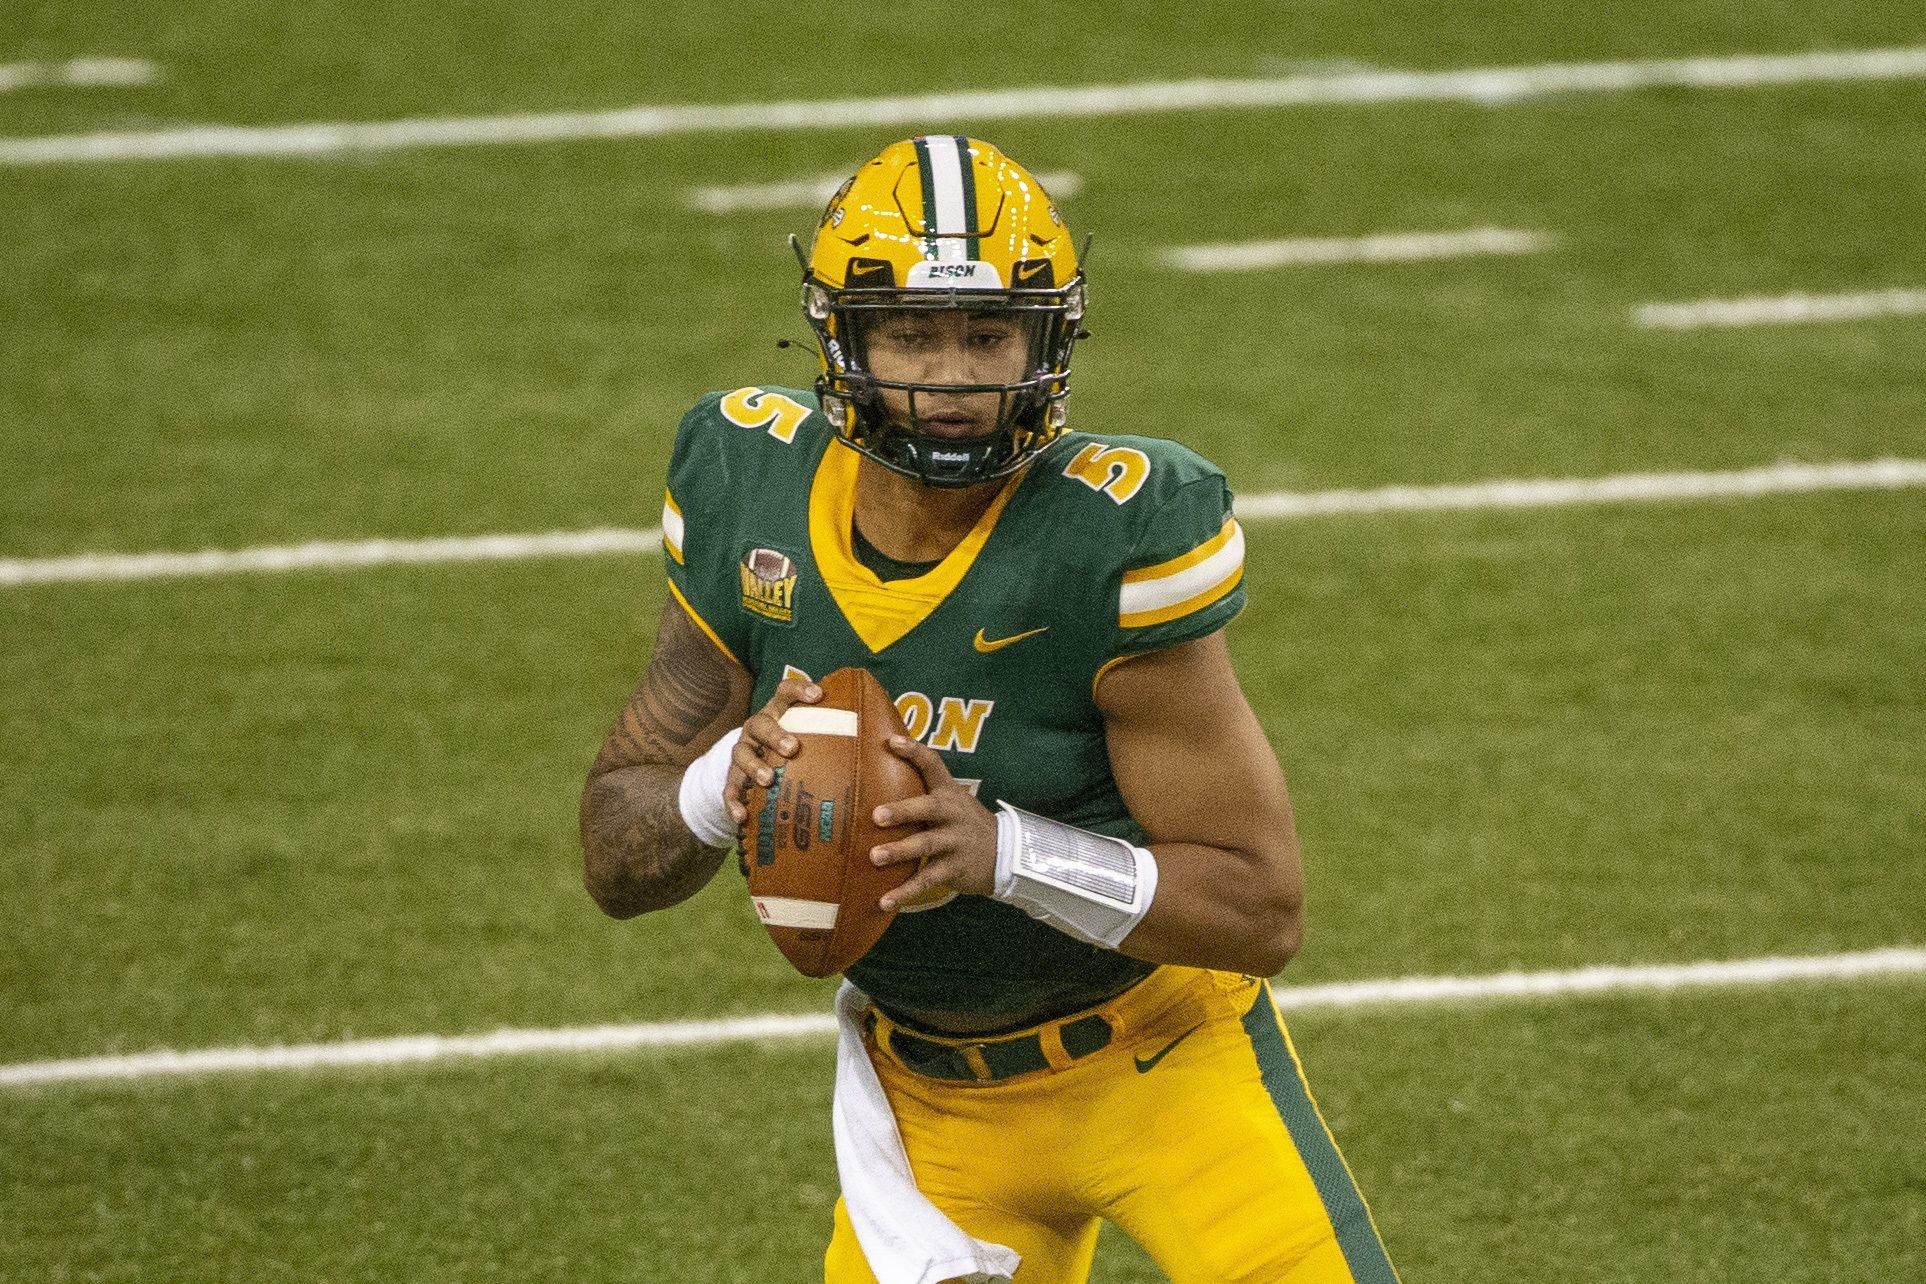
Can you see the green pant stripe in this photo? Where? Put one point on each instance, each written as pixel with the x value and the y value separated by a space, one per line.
pixel 1357 1237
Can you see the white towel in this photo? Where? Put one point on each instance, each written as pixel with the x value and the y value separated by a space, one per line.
pixel 905 1237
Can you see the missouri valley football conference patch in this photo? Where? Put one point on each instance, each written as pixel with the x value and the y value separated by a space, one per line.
pixel 769 585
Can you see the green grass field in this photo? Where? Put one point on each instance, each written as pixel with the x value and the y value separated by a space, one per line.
pixel 340 804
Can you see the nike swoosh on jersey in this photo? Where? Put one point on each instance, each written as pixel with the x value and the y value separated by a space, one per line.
pixel 986 646
pixel 1146 1064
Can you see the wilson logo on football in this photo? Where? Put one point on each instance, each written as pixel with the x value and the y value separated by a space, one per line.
pixel 769 585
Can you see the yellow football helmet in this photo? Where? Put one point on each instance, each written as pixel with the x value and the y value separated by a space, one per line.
pixel 943 222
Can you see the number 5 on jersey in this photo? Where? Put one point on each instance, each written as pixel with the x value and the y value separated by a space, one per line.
pixel 1116 471
pixel 754 408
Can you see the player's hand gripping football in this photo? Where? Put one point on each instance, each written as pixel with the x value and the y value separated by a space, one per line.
pixel 764 744
pixel 959 846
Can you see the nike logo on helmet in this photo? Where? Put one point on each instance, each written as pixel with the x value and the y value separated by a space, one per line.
pixel 985 645
pixel 1146 1064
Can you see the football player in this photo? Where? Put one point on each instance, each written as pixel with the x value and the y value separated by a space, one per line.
pixel 1068 1017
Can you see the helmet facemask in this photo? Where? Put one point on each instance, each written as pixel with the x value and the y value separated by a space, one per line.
pixel 1030 411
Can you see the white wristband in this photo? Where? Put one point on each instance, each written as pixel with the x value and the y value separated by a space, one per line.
pixel 1092 886
pixel 700 799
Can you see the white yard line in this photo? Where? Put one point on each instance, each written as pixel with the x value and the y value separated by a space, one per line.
pixel 1495 86
pixel 79 73
pixel 1773 479
pixel 814 193
pixel 1789 309
pixel 414 1049
pixel 1609 978
pixel 301 557
pixel 1383 247
pixel 1626 488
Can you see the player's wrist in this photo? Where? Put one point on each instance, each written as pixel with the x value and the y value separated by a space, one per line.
pixel 1091 886
pixel 702 797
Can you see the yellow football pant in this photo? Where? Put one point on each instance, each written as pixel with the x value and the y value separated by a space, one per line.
pixel 1212 1155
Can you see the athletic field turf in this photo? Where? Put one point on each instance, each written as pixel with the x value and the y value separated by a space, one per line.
pixel 247 808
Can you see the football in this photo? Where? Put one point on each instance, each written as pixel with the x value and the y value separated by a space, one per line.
pixel 806 843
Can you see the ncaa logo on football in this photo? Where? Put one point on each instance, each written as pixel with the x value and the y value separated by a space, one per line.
pixel 769 585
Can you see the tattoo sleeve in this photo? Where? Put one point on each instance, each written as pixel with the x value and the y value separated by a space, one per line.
pixel 637 854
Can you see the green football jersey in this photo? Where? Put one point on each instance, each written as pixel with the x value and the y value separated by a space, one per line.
pixel 1102 548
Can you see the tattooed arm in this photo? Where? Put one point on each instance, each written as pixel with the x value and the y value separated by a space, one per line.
pixel 637 854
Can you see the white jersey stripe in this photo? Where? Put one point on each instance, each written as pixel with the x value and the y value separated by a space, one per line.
pixel 672 526
pixel 1154 595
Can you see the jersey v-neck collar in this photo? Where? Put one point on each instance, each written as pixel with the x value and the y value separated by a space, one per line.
pixel 882 611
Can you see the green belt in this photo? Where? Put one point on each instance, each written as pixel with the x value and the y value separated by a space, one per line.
pixel 1005 1058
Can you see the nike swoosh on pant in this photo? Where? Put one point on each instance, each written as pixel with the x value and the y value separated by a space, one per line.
pixel 1146 1064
